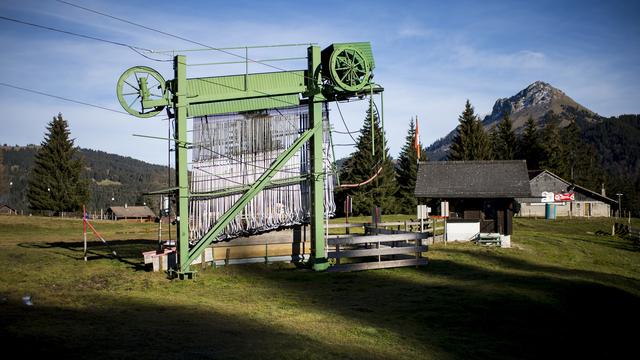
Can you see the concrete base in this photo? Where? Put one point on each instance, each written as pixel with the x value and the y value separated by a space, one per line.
pixel 505 241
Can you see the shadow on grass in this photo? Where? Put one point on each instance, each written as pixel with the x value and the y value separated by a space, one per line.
pixel 605 239
pixel 141 330
pixel 546 271
pixel 473 312
pixel 444 310
pixel 128 251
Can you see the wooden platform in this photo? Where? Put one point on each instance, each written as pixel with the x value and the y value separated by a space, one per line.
pixel 381 248
pixel 288 245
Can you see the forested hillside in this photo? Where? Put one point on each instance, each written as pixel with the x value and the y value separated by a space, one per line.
pixel 114 179
pixel 617 141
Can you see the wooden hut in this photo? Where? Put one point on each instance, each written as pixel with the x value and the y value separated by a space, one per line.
pixel 7 210
pixel 586 202
pixel 131 213
pixel 477 191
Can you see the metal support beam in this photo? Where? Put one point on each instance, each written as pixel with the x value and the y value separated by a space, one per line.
pixel 314 86
pixel 180 105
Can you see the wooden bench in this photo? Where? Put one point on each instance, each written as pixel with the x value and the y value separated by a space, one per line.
pixel 489 239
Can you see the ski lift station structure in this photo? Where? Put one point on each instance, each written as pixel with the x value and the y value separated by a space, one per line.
pixel 339 72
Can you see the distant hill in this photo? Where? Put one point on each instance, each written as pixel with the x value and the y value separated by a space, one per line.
pixel 617 142
pixel 111 176
pixel 538 100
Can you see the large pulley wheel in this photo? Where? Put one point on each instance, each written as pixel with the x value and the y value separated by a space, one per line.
pixel 349 69
pixel 137 84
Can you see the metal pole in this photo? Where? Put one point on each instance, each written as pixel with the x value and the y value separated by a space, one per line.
pixel 319 259
pixel 373 133
pixel 84 230
pixel 160 226
pixel 182 177
pixel 384 153
pixel 619 205
pixel 246 69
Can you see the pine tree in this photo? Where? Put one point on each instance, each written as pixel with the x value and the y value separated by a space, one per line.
pixel 554 158
pixel 362 165
pixel 55 181
pixel 406 172
pixel 581 158
pixel 471 141
pixel 529 148
pixel 4 186
pixel 504 144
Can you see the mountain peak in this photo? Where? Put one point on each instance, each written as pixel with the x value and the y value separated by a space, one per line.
pixel 535 100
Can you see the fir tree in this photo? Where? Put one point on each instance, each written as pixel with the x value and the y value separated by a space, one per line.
pixel 504 144
pixel 471 141
pixel 529 148
pixel 581 158
pixel 406 171
pixel 55 182
pixel 4 186
pixel 554 158
pixel 364 164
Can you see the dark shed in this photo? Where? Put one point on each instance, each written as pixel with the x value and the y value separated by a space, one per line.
pixel 478 190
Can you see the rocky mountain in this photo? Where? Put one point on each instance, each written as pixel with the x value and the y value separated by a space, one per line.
pixel 536 101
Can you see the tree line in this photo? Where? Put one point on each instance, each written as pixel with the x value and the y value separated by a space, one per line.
pixel 45 179
pixel 586 154
pixel 573 152
pixel 371 178
pixel 560 150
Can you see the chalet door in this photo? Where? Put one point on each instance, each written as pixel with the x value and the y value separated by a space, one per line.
pixel 487 226
pixel 489 218
pixel 587 209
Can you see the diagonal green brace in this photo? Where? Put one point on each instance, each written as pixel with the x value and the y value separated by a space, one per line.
pixel 260 184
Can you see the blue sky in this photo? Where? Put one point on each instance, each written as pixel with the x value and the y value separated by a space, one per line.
pixel 430 57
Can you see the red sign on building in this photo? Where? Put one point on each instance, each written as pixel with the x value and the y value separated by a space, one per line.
pixel 567 196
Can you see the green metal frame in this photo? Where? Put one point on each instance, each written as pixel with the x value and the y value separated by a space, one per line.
pixel 236 93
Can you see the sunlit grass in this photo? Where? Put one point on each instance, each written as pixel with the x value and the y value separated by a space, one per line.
pixel 541 299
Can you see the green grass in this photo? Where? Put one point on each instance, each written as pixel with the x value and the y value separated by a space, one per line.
pixel 566 289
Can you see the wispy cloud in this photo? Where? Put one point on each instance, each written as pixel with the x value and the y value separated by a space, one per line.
pixel 428 62
pixel 412 29
pixel 470 57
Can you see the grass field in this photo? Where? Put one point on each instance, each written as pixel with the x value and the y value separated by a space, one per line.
pixel 567 289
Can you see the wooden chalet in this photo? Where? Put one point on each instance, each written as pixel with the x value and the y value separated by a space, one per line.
pixel 131 213
pixel 7 210
pixel 480 191
pixel 586 203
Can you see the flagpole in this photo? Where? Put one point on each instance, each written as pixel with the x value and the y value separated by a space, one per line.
pixel 417 140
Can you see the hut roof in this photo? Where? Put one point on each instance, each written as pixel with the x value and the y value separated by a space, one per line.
pixel 131 211
pixel 5 206
pixel 473 179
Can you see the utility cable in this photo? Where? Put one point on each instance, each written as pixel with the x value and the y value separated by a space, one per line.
pixel 136 49
pixel 346 132
pixel 174 36
pixel 364 182
pixel 62 98
pixel 345 123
